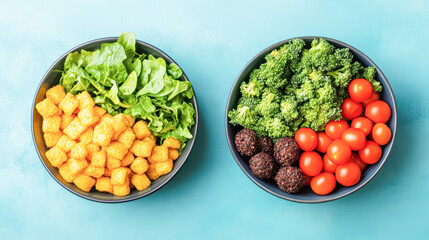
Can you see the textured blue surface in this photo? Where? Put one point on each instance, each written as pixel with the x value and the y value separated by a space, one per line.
pixel 211 197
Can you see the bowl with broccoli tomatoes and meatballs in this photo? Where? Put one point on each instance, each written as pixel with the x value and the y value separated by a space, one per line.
pixel 311 119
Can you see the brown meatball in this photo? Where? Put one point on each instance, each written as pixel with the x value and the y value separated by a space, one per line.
pixel 263 165
pixel 286 151
pixel 266 145
pixel 290 179
pixel 246 142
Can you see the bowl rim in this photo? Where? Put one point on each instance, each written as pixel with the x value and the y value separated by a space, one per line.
pixel 165 179
pixel 325 198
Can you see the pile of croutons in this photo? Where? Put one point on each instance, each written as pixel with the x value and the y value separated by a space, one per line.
pixel 90 147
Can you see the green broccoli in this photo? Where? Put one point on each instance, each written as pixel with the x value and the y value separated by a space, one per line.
pixel 249 102
pixel 251 89
pixel 369 74
pixel 298 87
pixel 289 108
pixel 269 104
pixel 276 128
pixel 243 116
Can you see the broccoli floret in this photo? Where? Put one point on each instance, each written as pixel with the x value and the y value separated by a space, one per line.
pixel 343 57
pixel 251 89
pixel 276 128
pixel 243 116
pixel 369 74
pixel 249 102
pixel 320 56
pixel 289 108
pixel 342 76
pixel 269 105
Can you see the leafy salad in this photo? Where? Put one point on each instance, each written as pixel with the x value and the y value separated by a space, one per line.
pixel 123 81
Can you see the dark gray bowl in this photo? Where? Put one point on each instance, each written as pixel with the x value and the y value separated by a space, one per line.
pixel 52 78
pixel 306 195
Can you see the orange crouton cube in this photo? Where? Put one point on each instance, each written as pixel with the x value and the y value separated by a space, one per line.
pixel 116 149
pixel 85 100
pixel 151 139
pixel 122 190
pixel 122 118
pixel 131 120
pixel 84 182
pixel 151 172
pixel 117 125
pixel 119 176
pixel 99 159
pixel 56 156
pixel 164 167
pixel 46 108
pixel 159 154
pixel 69 104
pixel 65 143
pixel 92 148
pixel 112 163
pixel 51 139
pixel 141 130
pixel 56 94
pixel 171 142
pixel 141 148
pixel 79 151
pixel 140 181
pixel 102 134
pixel 107 172
pixel 88 116
pixel 127 160
pixel 74 129
pixel 66 120
pixel 140 165
pixel 103 185
pixel 51 124
pixel 72 168
pixel 127 137
pixel 100 111
pixel 59 112
pixel 173 154
pixel 77 165
pixel 94 171
pixel 105 117
pixel 87 136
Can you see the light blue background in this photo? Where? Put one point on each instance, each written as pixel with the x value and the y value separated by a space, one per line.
pixel 210 197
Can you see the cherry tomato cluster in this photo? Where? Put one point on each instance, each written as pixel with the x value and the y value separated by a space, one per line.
pixel 346 149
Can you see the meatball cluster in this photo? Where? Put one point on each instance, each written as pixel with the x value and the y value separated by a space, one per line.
pixel 272 161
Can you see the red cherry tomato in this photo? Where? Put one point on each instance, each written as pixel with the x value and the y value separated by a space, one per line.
pixel 370 153
pixel 307 180
pixel 355 138
pixel 351 109
pixel 328 165
pixel 374 97
pixel 310 163
pixel 381 133
pixel 348 174
pixel 323 183
pixel 363 124
pixel 335 129
pixel 360 90
pixel 355 158
pixel 339 151
pixel 323 142
pixel 306 139
pixel 378 111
